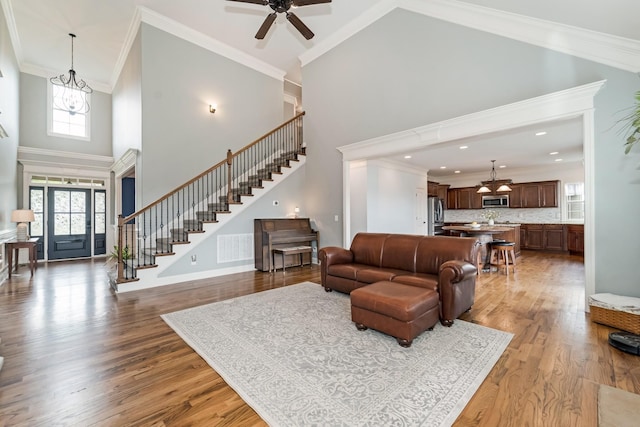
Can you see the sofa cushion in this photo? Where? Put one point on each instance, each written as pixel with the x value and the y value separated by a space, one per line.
pixel 399 252
pixel 421 280
pixel 434 251
pixel 372 275
pixel 367 248
pixel 346 271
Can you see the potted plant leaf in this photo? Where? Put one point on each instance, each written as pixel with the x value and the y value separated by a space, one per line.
pixel 632 127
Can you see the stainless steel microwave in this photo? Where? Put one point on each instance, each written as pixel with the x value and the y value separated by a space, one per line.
pixel 498 201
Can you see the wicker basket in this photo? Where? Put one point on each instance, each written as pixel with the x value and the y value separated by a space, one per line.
pixel 617 319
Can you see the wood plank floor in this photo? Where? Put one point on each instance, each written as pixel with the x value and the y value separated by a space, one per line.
pixel 78 355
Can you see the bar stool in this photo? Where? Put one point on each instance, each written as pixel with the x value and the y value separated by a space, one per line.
pixel 502 250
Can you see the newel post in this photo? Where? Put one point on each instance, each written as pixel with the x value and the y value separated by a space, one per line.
pixel 120 278
pixel 229 164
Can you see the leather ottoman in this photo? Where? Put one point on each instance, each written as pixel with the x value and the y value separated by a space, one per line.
pixel 402 311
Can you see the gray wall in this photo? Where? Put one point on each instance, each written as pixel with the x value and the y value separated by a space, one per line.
pixel 408 70
pixel 180 137
pixel 9 118
pixel 127 104
pixel 33 126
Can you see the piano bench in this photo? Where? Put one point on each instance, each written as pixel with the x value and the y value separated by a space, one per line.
pixel 293 250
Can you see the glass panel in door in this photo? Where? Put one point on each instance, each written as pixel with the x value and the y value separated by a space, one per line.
pixel 69 223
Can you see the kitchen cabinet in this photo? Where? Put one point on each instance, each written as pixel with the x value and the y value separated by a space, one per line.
pixel 432 189
pixel 442 193
pixel 464 198
pixel 555 238
pixel 575 238
pixel 543 194
pixel 537 195
pixel 515 196
pixel 532 236
pixel 547 237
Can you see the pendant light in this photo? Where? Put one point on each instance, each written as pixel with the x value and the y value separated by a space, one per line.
pixel 485 189
pixel 74 97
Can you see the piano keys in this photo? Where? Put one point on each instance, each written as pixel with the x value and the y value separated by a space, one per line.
pixel 280 233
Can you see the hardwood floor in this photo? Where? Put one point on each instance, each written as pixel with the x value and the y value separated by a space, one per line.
pixel 78 355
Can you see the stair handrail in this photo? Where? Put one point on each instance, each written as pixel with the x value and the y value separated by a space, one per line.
pixel 228 161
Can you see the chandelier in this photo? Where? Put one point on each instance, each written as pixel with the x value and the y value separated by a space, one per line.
pixel 485 189
pixel 74 95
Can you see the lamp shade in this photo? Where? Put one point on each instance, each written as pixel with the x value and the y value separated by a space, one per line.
pixel 22 215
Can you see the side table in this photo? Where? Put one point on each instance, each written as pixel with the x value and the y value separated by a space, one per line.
pixel 14 246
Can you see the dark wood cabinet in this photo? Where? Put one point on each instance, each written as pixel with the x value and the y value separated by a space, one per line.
pixel 532 236
pixel 432 189
pixel 555 238
pixel 548 194
pixel 442 193
pixel 536 195
pixel 515 196
pixel 547 237
pixel 543 194
pixel 575 239
pixel 452 198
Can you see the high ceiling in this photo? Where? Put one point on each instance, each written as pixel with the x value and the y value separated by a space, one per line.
pixel 40 35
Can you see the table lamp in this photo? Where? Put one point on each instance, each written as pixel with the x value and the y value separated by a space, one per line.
pixel 22 217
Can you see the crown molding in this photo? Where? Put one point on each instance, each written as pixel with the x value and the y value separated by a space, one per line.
pixel 7 9
pixel 183 32
pixel 63 159
pixel 614 51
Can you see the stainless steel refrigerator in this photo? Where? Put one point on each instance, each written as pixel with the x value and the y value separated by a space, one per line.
pixel 435 216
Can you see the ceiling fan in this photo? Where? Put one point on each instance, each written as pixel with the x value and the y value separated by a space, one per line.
pixel 283 6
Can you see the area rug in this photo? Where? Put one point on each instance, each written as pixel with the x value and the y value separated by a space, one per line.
pixel 296 358
pixel 617 408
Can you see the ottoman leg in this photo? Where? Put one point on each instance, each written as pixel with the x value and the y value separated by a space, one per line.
pixel 361 327
pixel 404 343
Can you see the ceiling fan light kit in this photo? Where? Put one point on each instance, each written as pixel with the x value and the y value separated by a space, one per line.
pixel 283 6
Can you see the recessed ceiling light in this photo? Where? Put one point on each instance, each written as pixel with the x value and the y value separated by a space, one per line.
pixel 443 167
pixel 541 133
pixel 558 160
pixel 554 153
pixel 457 172
pixel 502 166
pixel 407 157
pixel 463 147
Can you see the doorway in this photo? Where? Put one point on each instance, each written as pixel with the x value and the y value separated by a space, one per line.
pixel 69 219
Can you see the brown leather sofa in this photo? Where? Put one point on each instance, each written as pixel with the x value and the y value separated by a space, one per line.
pixel 440 263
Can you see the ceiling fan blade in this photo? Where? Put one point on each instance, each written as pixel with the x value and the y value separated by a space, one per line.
pixel 299 3
pixel 304 30
pixel 264 28
pixel 262 2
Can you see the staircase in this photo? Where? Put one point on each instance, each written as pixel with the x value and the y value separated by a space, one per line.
pixel 216 195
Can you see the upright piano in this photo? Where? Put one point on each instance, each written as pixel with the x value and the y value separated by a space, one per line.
pixel 270 233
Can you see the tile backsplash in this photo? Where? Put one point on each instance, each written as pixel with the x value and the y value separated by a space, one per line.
pixel 522 216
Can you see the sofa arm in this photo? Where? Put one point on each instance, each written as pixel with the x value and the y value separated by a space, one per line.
pixel 457 286
pixel 331 255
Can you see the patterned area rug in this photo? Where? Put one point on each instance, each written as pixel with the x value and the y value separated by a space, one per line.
pixel 296 358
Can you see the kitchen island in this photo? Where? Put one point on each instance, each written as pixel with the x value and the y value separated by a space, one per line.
pixel 486 233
